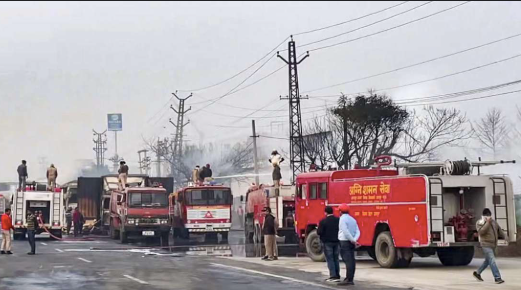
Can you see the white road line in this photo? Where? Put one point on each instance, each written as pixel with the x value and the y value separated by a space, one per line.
pixel 274 276
pixel 44 244
pixel 84 260
pixel 61 251
pixel 135 279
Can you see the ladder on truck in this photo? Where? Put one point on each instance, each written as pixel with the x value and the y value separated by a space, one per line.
pixel 499 200
pixel 436 207
pixel 56 206
pixel 19 206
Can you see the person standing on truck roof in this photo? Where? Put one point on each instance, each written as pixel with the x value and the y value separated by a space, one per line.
pixel 7 226
pixel 52 174
pixel 195 174
pixel 328 232
pixel 348 235
pixel 123 174
pixel 275 161
pixel 489 232
pixel 32 226
pixel 22 175
pixel 68 219
pixel 269 230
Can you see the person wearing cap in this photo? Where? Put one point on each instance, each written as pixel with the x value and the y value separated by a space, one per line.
pixel 123 174
pixel 269 230
pixel 275 161
pixel 348 235
pixel 52 174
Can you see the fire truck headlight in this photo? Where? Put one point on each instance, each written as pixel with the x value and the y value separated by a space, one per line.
pixel 131 221
pixel 164 222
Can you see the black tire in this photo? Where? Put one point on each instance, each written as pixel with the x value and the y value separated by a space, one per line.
pixel 113 232
pixel 385 251
pixel 314 247
pixel 123 238
pixel 257 235
pixel 248 230
pixel 458 256
pixel 164 240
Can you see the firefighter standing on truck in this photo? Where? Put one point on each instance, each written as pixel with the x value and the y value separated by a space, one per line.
pixel 275 161
pixel 52 174
pixel 123 174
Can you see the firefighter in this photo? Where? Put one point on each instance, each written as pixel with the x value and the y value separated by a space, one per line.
pixel 22 175
pixel 205 172
pixel 32 226
pixel 275 161
pixel 328 232
pixel 269 230
pixel 489 232
pixel 195 174
pixel 348 234
pixel 52 174
pixel 123 174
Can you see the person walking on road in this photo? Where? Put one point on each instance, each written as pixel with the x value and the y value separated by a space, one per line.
pixel 489 232
pixel 22 175
pixel 270 233
pixel 68 219
pixel 52 174
pixel 348 234
pixel 32 226
pixel 123 174
pixel 7 226
pixel 328 232
pixel 76 219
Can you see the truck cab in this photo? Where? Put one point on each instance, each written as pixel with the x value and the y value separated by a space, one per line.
pixel 139 212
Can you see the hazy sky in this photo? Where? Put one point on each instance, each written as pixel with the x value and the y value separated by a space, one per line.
pixel 64 66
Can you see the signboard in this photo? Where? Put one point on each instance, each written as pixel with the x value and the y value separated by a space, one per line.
pixel 115 122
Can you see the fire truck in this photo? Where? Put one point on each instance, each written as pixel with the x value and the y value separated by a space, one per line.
pixel 204 209
pixel 37 198
pixel 282 204
pixel 413 208
pixel 139 212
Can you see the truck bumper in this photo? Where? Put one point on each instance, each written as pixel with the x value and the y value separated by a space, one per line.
pixel 208 228
pixel 146 231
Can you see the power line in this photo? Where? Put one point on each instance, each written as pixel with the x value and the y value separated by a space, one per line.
pixel 239 73
pixel 350 20
pixel 389 29
pixel 367 25
pixel 466 100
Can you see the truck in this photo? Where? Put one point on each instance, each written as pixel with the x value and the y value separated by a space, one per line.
pixel 205 209
pixel 36 197
pixel 139 212
pixel 411 208
pixel 282 204
pixel 4 202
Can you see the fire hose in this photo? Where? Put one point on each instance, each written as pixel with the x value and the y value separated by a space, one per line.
pixel 42 225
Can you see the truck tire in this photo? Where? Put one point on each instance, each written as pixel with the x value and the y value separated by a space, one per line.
pixel 385 251
pixel 257 235
pixel 314 247
pixel 457 256
pixel 165 239
pixel 113 232
pixel 248 230
pixel 123 238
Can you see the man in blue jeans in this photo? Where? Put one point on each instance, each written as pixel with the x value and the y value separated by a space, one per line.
pixel 328 232
pixel 489 232
pixel 348 234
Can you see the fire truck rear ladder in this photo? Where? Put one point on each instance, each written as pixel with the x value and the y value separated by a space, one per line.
pixel 436 206
pixel 500 203
pixel 19 207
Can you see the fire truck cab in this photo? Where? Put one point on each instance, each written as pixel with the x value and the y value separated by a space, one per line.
pixel 201 209
pixel 36 197
pixel 418 208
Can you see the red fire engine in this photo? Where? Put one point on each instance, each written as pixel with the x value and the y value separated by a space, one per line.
pixel 201 209
pixel 282 205
pixel 420 208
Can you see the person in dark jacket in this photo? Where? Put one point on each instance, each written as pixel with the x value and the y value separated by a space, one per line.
pixel 208 171
pixel 269 230
pixel 32 226
pixel 328 232
pixel 76 219
pixel 68 219
pixel 22 175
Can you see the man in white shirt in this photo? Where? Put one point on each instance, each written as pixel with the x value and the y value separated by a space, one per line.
pixel 348 235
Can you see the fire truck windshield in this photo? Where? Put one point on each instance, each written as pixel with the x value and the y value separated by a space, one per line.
pixel 208 197
pixel 148 199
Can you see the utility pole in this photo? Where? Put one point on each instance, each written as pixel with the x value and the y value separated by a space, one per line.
pixel 100 146
pixel 178 137
pixel 296 146
pixel 255 162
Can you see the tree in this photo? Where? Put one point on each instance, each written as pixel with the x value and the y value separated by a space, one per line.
pixel 491 131
pixel 315 141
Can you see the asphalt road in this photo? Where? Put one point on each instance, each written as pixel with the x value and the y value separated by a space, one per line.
pixel 101 263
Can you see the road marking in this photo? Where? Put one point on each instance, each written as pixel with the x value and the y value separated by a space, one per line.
pixel 84 260
pixel 61 251
pixel 135 279
pixel 44 244
pixel 59 266
pixel 274 276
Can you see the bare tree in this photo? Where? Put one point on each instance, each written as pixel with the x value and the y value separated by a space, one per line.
pixel 424 135
pixel 316 140
pixel 491 131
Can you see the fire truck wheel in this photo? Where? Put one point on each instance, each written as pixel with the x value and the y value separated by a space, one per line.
pixel 386 252
pixel 113 233
pixel 458 256
pixel 314 247
pixel 123 237
pixel 164 239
